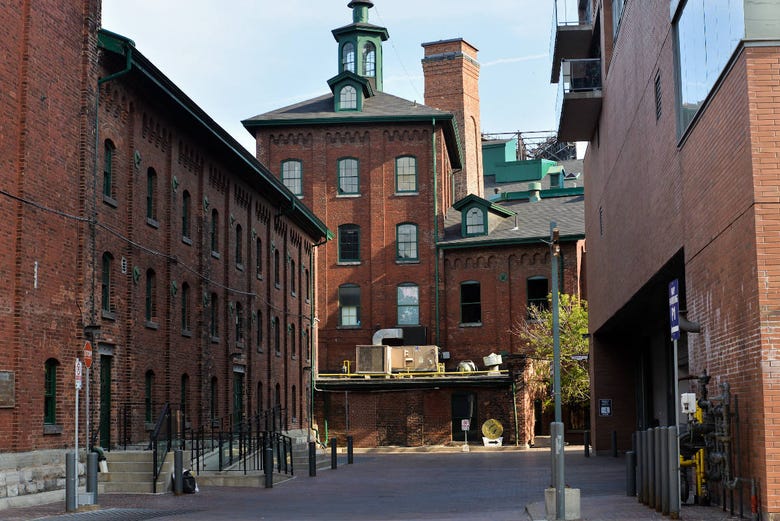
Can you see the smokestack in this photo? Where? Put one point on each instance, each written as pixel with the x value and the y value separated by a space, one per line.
pixel 451 75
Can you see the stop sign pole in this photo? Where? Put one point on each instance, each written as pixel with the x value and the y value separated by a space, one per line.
pixel 87 364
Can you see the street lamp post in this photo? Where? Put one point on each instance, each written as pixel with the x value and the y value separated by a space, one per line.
pixel 556 428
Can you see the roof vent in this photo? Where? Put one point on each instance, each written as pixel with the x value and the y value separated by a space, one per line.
pixel 534 191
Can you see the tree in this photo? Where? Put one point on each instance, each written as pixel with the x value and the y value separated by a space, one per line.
pixel 536 332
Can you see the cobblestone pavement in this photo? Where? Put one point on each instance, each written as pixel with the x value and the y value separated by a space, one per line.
pixel 498 485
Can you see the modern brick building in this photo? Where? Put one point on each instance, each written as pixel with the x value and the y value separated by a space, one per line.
pixel 133 220
pixel 393 179
pixel 678 101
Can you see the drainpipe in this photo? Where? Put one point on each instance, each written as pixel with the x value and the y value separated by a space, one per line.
pixel 435 234
pixel 312 350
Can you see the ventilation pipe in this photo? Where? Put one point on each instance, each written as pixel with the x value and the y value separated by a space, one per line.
pixel 534 191
pixel 386 333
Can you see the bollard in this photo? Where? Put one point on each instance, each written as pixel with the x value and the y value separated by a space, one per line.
pixel 350 457
pixel 674 473
pixel 71 482
pixel 92 476
pixel 664 471
pixel 333 458
pixel 178 472
pixel 268 461
pixel 312 459
pixel 643 464
pixel 630 473
pixel 586 441
pixel 614 444
pixel 657 468
pixel 650 468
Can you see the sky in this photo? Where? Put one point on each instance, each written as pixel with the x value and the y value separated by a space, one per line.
pixel 240 58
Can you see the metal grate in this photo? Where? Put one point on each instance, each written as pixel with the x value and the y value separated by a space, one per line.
pixel 125 514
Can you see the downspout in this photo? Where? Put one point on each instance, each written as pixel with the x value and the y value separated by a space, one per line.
pixel 93 219
pixel 435 233
pixel 312 350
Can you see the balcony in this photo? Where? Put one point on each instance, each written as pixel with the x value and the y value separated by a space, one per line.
pixel 579 99
pixel 572 32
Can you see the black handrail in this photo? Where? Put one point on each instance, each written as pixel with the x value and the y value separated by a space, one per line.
pixel 161 436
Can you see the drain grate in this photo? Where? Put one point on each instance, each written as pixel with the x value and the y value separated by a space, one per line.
pixel 113 514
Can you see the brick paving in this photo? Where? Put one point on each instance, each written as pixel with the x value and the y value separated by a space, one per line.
pixel 490 485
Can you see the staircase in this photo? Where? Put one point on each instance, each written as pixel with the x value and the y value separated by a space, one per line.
pixel 130 472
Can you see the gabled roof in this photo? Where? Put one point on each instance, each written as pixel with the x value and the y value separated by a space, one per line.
pixel 491 207
pixel 379 108
pixel 147 78
pixel 365 85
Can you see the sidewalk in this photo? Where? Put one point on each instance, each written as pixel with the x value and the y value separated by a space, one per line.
pixel 624 508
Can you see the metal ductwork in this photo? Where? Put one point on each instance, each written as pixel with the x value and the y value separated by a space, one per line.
pixel 386 333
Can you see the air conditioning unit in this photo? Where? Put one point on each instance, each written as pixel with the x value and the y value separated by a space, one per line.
pixel 373 359
pixel 414 358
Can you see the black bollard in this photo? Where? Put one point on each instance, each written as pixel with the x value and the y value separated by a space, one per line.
pixel 268 461
pixel 312 459
pixel 350 459
pixel 631 473
pixel 178 472
pixel 333 458
pixel 586 437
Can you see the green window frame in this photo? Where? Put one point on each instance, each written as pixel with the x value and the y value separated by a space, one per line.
pixel 348 98
pixel 348 57
pixel 50 392
pixel 259 258
pixel 475 221
pixel 349 243
pixel 214 316
pixel 292 176
pixel 108 168
pixel 293 275
pixel 470 302
pixel 349 305
pixel 406 242
pixel 406 174
pixel 349 176
pixel 185 306
pixel 239 245
pixel 151 194
pixel 277 336
pixel 293 342
pixel 408 303
pixel 214 235
pixel 369 60
pixel 239 322
pixel 105 282
pixel 150 309
pixel 259 331
pixel 186 214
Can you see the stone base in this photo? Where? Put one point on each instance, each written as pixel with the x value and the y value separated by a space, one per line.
pixel 571 504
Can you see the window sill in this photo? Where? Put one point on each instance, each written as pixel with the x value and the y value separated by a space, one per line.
pixel 278 354
pixel 151 325
pixel 358 326
pixel 108 315
pixel 406 194
pixel 348 196
pixel 215 254
pixel 186 332
pixel 277 285
pixel 186 240
pixel 148 426
pixel 110 201
pixel 214 339
pixel 240 344
pixel 51 428
pixel 410 261
pixel 239 266
pixel 470 324
pixel 152 222
pixel 294 294
pixel 348 263
pixel 259 276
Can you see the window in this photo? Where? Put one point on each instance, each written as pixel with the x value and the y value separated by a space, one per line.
pixel 293 276
pixel 277 335
pixel 277 268
pixel 348 57
pixel 706 34
pixel 617 15
pixel 349 305
pixel 348 98
pixel 185 307
pixel 259 331
pixel 259 258
pixel 305 342
pixel 408 304
pixel 470 305
pixel 475 221
pixel 293 340
pixel 151 195
pixel 214 316
pixel 239 323
pixel 50 392
pixel 239 245
pixel 148 400
pixel 307 281
pixel 349 243
pixel 537 293
pixel 151 296
pixel 406 174
pixel 186 212
pixel 406 239
pixel 292 176
pixel 108 169
pixel 349 182
pixel 214 232
pixel 105 282
pixel 369 60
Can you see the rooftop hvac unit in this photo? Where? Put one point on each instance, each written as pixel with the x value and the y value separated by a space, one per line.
pixel 373 359
pixel 414 358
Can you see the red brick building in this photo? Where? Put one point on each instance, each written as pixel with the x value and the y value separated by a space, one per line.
pixel 391 178
pixel 132 219
pixel 678 101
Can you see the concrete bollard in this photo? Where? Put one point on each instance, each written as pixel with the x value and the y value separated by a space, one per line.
pixel 178 472
pixel 71 482
pixel 631 473
pixel 312 459
pixel 350 458
pixel 664 471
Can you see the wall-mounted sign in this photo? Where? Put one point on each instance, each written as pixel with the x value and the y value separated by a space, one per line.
pixel 605 407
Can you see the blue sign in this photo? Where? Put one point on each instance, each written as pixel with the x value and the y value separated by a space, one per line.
pixel 674 309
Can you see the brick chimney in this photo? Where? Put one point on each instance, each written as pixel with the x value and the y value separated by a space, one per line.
pixel 451 75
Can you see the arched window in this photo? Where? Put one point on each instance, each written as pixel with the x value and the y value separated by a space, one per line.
pixel 307 281
pixel 293 342
pixel 239 323
pixel 151 195
pixel 239 245
pixel 151 296
pixel 185 307
pixel 105 282
pixel 406 241
pixel 475 221
pixel 186 214
pixel 349 243
pixel 349 176
pixel 259 258
pixel 108 169
pixel 408 303
pixel 277 336
pixel 369 60
pixel 214 231
pixel 277 269
pixel 348 57
pixel 214 316
pixel 259 331
pixel 50 392
pixel 293 276
pixel 348 98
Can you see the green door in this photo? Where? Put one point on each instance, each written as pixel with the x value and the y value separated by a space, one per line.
pixel 238 399
pixel 105 401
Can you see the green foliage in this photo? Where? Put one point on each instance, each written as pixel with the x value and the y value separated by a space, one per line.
pixel 537 334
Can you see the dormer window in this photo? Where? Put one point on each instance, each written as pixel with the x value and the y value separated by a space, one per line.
pixel 475 221
pixel 348 98
pixel 369 60
pixel 348 57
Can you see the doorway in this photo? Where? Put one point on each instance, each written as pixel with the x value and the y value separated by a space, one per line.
pixel 105 401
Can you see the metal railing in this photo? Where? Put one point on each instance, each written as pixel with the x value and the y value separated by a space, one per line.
pixel 577 76
pixel 568 13
pixel 160 442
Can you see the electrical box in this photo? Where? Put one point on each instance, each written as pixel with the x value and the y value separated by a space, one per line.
pixel 688 402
